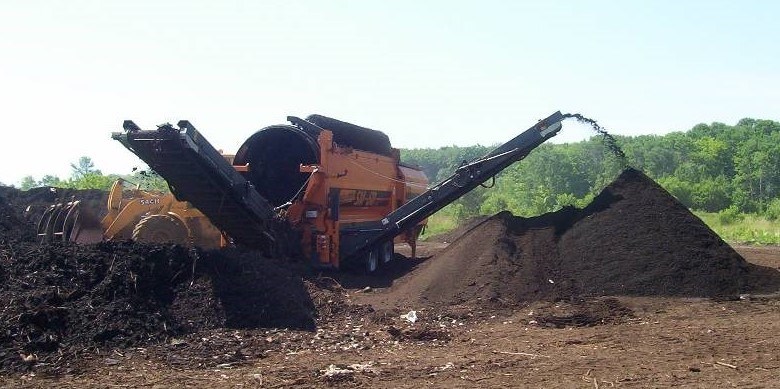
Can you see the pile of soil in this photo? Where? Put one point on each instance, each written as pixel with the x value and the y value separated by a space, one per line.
pixel 633 239
pixel 8 218
pixel 12 223
pixel 62 300
pixel 59 301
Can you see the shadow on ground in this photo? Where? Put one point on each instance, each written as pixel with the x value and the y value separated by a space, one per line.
pixel 383 278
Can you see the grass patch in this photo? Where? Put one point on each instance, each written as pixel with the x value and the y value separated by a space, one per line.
pixel 746 229
pixel 439 223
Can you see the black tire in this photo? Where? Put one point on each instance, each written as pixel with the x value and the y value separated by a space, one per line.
pixel 161 229
pixel 387 252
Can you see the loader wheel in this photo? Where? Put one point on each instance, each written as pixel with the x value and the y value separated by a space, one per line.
pixel 387 252
pixel 160 229
pixel 372 261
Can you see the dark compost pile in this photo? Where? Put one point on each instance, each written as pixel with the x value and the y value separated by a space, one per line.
pixel 61 300
pixel 633 239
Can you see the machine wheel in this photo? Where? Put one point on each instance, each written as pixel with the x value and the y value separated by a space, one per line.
pixel 372 261
pixel 161 229
pixel 387 252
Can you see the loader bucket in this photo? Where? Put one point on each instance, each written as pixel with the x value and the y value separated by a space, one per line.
pixel 69 222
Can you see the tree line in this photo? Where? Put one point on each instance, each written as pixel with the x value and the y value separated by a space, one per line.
pixel 732 169
pixel 84 175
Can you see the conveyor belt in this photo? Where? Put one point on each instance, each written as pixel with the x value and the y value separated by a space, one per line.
pixel 198 173
pixel 355 242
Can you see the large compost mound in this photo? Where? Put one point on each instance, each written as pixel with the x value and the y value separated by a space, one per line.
pixel 59 301
pixel 633 239
pixel 62 300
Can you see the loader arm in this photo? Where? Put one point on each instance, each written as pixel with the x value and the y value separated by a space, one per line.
pixel 123 220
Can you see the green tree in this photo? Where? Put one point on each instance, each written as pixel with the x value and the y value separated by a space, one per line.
pixel 93 181
pixel 149 180
pixel 50 180
pixel 28 182
pixel 84 175
pixel 83 168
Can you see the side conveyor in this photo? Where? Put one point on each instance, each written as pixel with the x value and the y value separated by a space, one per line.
pixel 467 177
pixel 198 173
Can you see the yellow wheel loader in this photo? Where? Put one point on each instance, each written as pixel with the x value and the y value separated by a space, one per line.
pixel 131 213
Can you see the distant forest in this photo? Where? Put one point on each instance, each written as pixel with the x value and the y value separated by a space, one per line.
pixel 711 167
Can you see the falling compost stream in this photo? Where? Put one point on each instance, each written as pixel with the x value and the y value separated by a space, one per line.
pixel 609 140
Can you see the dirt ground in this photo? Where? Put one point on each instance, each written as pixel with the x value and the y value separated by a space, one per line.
pixel 601 342
pixel 631 291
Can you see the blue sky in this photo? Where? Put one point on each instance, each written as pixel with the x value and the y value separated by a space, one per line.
pixel 428 73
